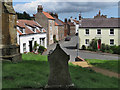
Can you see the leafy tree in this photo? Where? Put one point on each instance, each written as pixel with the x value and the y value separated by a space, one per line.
pixel 23 15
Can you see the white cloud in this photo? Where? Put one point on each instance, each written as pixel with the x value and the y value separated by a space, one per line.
pixel 63 7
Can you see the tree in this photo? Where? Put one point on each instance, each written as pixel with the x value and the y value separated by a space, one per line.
pixel 23 15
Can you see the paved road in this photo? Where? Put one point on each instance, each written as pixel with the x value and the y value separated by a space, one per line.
pixel 69 47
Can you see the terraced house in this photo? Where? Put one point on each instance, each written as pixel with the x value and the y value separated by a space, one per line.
pixel 47 21
pixel 106 30
pixel 30 33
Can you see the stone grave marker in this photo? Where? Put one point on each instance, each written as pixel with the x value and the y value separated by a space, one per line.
pixel 8 39
pixel 59 76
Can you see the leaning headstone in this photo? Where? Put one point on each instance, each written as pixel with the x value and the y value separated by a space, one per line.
pixel 8 45
pixel 59 76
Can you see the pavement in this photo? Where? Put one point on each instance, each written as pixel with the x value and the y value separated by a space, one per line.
pixel 69 48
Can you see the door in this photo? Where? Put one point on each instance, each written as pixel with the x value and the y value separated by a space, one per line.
pixel 30 46
pixel 99 44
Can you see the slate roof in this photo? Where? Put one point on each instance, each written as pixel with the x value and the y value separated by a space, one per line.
pixel 48 15
pixel 58 22
pixel 100 23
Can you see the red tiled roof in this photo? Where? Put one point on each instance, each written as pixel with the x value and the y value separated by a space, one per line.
pixel 48 15
pixel 32 23
pixel 38 31
pixel 28 31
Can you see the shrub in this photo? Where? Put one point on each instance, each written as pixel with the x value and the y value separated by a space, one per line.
pixel 93 44
pixel 107 47
pixel 83 47
pixel 41 49
pixel 103 47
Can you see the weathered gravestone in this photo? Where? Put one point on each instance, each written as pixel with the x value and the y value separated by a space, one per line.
pixel 59 72
pixel 8 45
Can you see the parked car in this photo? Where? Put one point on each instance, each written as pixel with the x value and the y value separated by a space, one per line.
pixel 67 39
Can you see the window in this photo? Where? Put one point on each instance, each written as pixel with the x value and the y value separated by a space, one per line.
pixel 86 41
pixel 24 47
pixel 98 31
pixel 87 31
pixel 111 41
pixel 111 31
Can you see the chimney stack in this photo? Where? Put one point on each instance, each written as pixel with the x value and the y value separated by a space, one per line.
pixel 40 8
pixel 80 17
pixel 65 20
pixel 56 15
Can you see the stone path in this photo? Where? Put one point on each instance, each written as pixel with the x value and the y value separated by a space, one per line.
pixel 84 64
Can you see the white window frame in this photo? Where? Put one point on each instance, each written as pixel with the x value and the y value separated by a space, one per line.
pixel 87 41
pixel 99 31
pixel 87 31
pixel 113 42
pixel 24 47
pixel 113 31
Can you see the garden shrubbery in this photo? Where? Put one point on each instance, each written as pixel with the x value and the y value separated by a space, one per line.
pixel 41 49
pixel 104 47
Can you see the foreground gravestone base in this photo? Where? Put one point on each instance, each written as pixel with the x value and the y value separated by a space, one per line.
pixel 10 52
pixel 59 76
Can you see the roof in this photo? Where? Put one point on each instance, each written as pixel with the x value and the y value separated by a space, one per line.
pixel 100 23
pixel 76 21
pixel 48 15
pixel 33 24
pixel 58 22
pixel 71 23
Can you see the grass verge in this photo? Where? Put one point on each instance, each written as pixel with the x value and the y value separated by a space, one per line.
pixel 111 65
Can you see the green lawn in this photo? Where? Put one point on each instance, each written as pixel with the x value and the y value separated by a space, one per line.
pixel 33 72
pixel 111 65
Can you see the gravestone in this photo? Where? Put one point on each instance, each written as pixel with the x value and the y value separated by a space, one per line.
pixel 8 39
pixel 59 76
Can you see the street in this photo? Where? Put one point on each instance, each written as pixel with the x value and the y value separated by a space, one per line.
pixel 69 48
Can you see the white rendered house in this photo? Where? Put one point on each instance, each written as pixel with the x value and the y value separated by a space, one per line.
pixel 105 30
pixel 30 32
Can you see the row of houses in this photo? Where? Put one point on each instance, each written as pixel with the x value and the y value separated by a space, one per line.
pixel 44 30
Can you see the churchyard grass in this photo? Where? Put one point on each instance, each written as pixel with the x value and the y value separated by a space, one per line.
pixel 33 72
pixel 111 65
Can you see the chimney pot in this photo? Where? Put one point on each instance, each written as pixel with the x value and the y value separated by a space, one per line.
pixel 40 8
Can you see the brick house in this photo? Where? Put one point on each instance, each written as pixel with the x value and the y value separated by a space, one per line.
pixel 47 21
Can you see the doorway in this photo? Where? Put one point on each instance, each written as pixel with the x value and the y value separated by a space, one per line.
pixel 30 46
pixel 99 44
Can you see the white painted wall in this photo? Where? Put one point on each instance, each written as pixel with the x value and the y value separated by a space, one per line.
pixel 105 36
pixel 27 38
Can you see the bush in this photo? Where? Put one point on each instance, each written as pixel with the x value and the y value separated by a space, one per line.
pixel 115 49
pixel 107 47
pixel 41 49
pixel 93 44
pixel 83 47
pixel 103 47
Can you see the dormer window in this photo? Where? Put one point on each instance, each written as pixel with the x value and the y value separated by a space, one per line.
pixel 21 30
pixel 33 29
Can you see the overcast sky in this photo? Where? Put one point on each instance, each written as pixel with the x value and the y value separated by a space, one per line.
pixel 68 9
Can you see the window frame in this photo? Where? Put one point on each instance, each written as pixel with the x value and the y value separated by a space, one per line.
pixel 99 31
pixel 24 47
pixel 113 42
pixel 87 31
pixel 87 42
pixel 113 31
